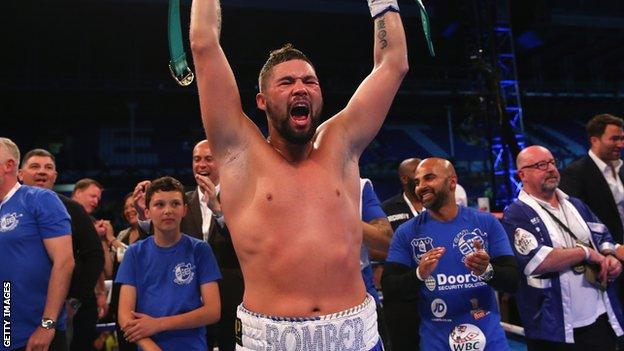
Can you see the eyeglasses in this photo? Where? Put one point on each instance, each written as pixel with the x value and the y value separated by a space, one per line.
pixel 542 165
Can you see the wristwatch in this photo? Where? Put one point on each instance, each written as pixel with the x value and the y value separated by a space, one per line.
pixel 47 323
pixel 488 274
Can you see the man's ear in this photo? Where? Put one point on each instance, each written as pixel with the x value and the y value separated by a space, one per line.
pixel 147 214
pixel 593 140
pixel 261 101
pixel 453 182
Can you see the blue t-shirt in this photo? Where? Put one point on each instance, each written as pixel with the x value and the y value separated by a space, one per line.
pixel 167 282
pixel 458 310
pixel 371 209
pixel 27 218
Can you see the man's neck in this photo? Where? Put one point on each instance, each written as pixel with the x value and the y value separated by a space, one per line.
pixel 6 187
pixel 446 213
pixel 166 239
pixel 292 153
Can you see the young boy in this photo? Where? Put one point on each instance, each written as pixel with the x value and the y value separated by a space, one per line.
pixel 169 290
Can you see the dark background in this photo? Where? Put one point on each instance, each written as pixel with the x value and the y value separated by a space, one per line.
pixel 88 80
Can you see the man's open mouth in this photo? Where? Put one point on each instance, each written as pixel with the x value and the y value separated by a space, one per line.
pixel 300 113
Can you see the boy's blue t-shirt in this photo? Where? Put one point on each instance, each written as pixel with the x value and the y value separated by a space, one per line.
pixel 167 282
pixel 28 217
pixel 458 310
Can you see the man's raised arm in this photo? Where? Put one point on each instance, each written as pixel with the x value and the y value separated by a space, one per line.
pixel 222 114
pixel 369 106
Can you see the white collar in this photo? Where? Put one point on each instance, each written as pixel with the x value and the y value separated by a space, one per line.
pixel 602 165
pixel 551 227
pixel 409 203
pixel 561 197
pixel 10 193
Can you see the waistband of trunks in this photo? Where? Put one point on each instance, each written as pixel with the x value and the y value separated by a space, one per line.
pixel 352 329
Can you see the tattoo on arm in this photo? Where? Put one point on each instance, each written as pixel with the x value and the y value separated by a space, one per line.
pixel 381 32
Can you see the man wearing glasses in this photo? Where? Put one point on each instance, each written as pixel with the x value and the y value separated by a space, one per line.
pixel 555 238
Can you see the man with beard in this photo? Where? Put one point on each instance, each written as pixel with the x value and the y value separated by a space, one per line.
pixel 553 236
pixel 454 257
pixel 39 169
pixel 597 178
pixel 291 202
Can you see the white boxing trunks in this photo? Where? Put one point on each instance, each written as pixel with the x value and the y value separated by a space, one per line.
pixel 354 329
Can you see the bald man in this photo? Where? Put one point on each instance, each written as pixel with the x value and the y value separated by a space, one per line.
pixel 554 236
pixel 405 205
pixel 454 257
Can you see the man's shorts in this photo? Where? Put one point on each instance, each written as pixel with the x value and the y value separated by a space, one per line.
pixel 353 329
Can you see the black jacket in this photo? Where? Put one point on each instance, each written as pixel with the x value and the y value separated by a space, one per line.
pixel 88 253
pixel 583 179
pixel 397 210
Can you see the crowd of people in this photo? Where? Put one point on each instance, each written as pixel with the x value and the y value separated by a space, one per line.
pixel 443 260
pixel 272 248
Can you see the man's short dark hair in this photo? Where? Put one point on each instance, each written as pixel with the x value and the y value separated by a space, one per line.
pixel 283 54
pixel 38 152
pixel 164 184
pixel 597 125
pixel 84 183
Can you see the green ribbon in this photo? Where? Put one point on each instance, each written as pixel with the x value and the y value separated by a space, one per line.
pixel 178 66
pixel 424 17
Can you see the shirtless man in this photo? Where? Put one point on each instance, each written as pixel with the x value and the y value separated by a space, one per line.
pixel 291 202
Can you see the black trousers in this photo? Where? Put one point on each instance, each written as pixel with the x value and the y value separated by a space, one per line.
pixel 403 322
pixel 84 323
pixel 59 343
pixel 231 288
pixel 382 329
pixel 596 336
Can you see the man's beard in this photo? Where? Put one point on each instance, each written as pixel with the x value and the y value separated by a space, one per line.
pixel 439 199
pixel 549 186
pixel 286 131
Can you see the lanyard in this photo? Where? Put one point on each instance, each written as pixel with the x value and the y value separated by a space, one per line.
pixel 565 227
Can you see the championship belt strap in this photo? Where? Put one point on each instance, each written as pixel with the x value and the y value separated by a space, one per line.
pixel 424 18
pixel 178 66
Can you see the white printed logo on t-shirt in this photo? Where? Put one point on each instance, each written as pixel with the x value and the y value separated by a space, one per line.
pixel 9 222
pixel 184 273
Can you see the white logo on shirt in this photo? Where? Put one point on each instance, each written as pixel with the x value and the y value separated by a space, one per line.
pixel 184 273
pixel 467 337
pixel 524 241
pixel 430 283
pixel 464 240
pixel 398 217
pixel 438 308
pixel 9 222
pixel 420 246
